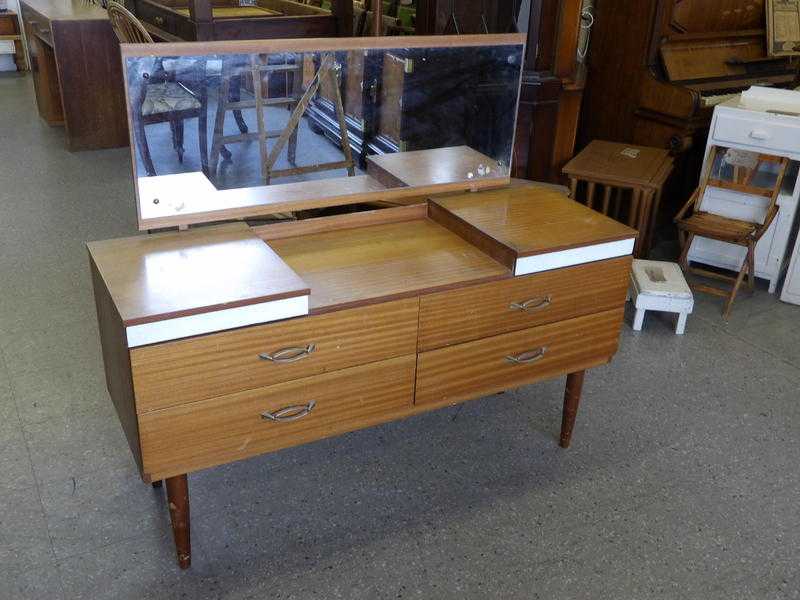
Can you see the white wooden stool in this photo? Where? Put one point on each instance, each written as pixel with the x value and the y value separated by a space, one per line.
pixel 657 285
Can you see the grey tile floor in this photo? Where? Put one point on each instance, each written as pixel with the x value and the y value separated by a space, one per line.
pixel 683 481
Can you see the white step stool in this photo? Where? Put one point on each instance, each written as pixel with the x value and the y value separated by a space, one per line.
pixel 658 285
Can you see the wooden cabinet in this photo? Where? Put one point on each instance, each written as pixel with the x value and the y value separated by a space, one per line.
pixel 407 312
pixel 77 72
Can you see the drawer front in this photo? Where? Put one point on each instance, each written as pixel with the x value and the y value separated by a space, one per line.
pixel 763 134
pixel 8 25
pixel 476 312
pixel 184 371
pixel 204 434
pixel 491 365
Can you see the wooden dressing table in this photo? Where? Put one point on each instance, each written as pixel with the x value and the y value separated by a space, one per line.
pixel 231 340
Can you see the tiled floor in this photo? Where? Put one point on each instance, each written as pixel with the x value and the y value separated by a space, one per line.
pixel 683 481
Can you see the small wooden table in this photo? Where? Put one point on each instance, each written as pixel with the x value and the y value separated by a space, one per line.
pixel 638 172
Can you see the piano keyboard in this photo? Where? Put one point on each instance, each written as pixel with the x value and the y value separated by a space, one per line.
pixel 711 101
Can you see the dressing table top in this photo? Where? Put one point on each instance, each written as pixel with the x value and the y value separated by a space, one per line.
pixel 181 273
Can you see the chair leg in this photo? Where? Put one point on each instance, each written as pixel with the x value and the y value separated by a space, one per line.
pixel 683 261
pixel 219 126
pixel 751 265
pixel 202 130
pixel 236 96
pixel 144 149
pixel 729 304
pixel 179 139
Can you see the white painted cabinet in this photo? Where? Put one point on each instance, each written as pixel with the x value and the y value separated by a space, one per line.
pixel 734 126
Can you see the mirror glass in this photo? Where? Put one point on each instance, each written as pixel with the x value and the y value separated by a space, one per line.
pixel 242 134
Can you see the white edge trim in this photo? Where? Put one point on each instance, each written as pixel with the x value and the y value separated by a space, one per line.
pixel 574 256
pixel 220 320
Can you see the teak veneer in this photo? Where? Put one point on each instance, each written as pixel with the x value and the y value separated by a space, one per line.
pixel 391 313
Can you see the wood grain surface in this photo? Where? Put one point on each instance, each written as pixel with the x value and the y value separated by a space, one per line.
pixel 419 168
pixel 165 275
pixel 223 363
pixel 485 310
pixel 204 434
pixel 479 368
pixel 381 262
pixel 533 220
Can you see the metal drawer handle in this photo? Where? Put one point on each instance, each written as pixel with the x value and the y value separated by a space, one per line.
pixel 529 357
pixel 289 355
pixel 158 20
pixel 290 413
pixel 532 304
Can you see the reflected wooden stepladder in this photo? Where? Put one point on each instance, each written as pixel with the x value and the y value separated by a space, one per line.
pixel 260 70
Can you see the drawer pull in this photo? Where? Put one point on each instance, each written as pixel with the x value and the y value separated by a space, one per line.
pixel 290 413
pixel 526 358
pixel 759 134
pixel 532 304
pixel 288 355
pixel 158 20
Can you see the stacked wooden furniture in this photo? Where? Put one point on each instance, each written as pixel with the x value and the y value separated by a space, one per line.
pixel 697 53
pixel 753 126
pixel 11 39
pixel 77 72
pixel 623 181
pixel 230 340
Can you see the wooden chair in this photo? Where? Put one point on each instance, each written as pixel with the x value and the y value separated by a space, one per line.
pixel 160 98
pixel 693 221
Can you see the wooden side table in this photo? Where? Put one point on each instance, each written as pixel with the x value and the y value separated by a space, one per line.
pixel 11 32
pixel 622 181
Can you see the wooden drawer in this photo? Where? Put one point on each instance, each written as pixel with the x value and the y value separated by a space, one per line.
pixel 499 307
pixel 203 434
pixel 757 132
pixel 174 373
pixel 8 24
pixel 484 367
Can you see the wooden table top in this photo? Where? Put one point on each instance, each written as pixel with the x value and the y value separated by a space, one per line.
pixel 534 220
pixel 234 12
pixel 430 167
pixel 63 10
pixel 350 267
pixel 625 163
pixel 174 274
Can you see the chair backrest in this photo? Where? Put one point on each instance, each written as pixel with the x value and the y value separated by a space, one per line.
pixel 126 26
pixel 743 179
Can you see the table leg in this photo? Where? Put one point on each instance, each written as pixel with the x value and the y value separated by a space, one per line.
pixel 572 397
pixel 178 501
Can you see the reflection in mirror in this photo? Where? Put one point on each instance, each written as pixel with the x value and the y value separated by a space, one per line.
pixel 244 132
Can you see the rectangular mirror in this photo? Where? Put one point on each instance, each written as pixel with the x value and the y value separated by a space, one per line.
pixel 225 130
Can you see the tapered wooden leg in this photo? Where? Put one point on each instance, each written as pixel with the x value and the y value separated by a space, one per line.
pixel 572 397
pixel 178 501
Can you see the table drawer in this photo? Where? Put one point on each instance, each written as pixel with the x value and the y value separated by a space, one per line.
pixel 212 432
pixel 174 373
pixel 484 310
pixel 759 133
pixel 487 366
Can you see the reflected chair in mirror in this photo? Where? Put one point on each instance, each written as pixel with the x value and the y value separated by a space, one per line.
pixel 164 95
pixel 753 174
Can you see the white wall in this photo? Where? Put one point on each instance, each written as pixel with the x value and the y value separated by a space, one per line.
pixel 7 60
